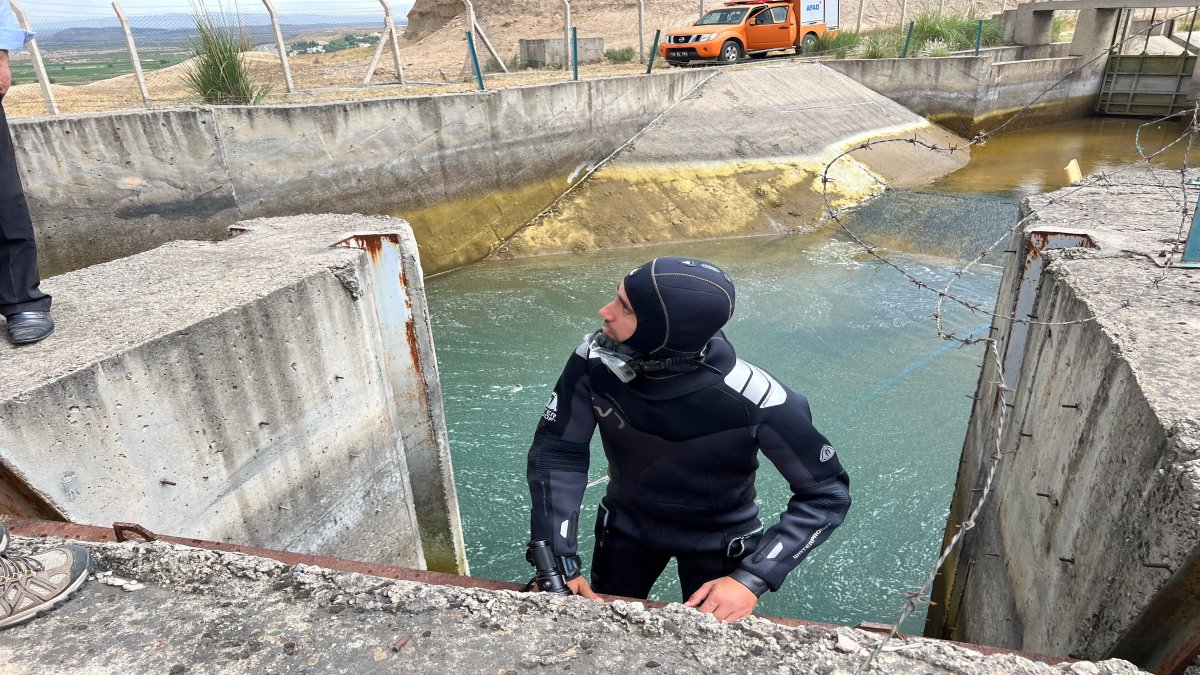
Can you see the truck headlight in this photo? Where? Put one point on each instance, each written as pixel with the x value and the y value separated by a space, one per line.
pixel 706 37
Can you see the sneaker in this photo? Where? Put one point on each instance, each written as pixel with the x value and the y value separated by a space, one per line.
pixel 30 585
pixel 3 538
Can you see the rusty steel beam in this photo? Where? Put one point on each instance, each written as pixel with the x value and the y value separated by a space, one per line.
pixel 32 527
pixel 1165 638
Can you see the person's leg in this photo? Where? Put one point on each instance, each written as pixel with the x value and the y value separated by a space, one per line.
pixel 19 278
pixel 622 566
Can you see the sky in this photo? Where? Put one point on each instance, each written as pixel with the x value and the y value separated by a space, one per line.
pixel 103 8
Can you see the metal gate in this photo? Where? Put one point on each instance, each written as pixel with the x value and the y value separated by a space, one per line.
pixel 1153 86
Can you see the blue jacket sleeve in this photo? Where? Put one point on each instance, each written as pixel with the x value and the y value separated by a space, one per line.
pixel 12 36
pixel 558 461
pixel 820 495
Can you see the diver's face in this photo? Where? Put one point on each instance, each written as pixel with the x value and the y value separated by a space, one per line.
pixel 619 319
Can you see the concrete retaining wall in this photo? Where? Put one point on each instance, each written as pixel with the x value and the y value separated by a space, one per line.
pixel 269 390
pixel 1089 545
pixel 105 186
pixel 970 94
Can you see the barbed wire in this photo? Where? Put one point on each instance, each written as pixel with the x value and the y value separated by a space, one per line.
pixel 919 597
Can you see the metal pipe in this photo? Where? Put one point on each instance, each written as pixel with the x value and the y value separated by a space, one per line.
pixel 133 54
pixel 862 4
pixel 907 40
pixel 283 55
pixel 978 37
pixel 903 11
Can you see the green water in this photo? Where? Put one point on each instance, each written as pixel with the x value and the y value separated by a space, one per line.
pixel 845 330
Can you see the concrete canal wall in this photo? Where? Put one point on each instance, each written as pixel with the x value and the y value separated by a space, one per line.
pixel 105 186
pixel 1089 545
pixel 969 94
pixel 278 389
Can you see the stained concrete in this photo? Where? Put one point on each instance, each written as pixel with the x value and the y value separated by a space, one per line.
pixel 744 154
pixel 204 611
pixel 1090 544
pixel 259 390
pixel 105 186
pixel 970 94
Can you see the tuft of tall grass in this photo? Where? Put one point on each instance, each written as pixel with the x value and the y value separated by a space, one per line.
pixel 881 45
pixel 218 70
pixel 622 55
pixel 840 45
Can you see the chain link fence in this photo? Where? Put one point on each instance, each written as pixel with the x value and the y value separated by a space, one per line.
pixel 136 54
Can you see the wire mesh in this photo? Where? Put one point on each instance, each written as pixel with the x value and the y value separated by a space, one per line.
pixel 331 46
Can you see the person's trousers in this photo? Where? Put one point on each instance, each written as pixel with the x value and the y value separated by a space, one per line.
pixel 19 277
pixel 621 565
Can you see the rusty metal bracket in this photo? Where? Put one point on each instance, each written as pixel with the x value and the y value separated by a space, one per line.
pixel 121 530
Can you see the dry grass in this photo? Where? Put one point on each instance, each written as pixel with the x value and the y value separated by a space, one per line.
pixel 440 57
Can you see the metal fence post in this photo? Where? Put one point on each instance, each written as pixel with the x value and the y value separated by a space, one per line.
pixel 903 11
pixel 978 37
pixel 862 4
pixel 654 51
pixel 907 40
pixel 133 54
pixel 566 33
pixel 475 61
pixel 283 55
pixel 38 65
pixel 641 31
pixel 391 30
pixel 575 53
pixel 474 28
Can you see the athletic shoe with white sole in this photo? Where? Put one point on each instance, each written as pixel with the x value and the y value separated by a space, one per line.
pixel 31 585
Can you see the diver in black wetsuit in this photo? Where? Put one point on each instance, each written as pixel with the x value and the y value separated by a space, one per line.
pixel 682 420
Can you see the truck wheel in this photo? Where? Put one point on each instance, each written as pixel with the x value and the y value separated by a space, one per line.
pixel 731 52
pixel 809 42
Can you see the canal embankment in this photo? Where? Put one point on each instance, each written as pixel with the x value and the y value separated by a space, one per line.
pixel 1089 543
pixel 746 154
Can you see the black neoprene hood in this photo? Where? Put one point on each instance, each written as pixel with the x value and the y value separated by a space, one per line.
pixel 680 303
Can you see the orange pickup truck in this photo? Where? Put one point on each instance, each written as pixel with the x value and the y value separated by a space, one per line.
pixel 750 28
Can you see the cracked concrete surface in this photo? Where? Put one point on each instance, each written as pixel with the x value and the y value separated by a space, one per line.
pixel 204 611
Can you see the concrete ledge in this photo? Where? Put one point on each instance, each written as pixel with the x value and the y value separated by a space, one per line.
pixel 259 390
pixel 1093 520
pixel 206 611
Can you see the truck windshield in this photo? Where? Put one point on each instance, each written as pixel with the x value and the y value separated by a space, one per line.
pixel 722 16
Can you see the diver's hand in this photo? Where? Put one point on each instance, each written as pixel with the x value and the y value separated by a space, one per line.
pixel 724 598
pixel 580 586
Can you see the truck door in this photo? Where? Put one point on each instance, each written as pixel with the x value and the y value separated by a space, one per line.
pixel 789 26
pixel 762 32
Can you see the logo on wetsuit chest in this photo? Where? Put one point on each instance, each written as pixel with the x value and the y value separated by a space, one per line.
pixel 826 453
pixel 551 413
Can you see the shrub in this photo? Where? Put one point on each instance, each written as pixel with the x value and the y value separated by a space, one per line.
pixel 882 45
pixel 840 45
pixel 622 55
pixel 218 71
